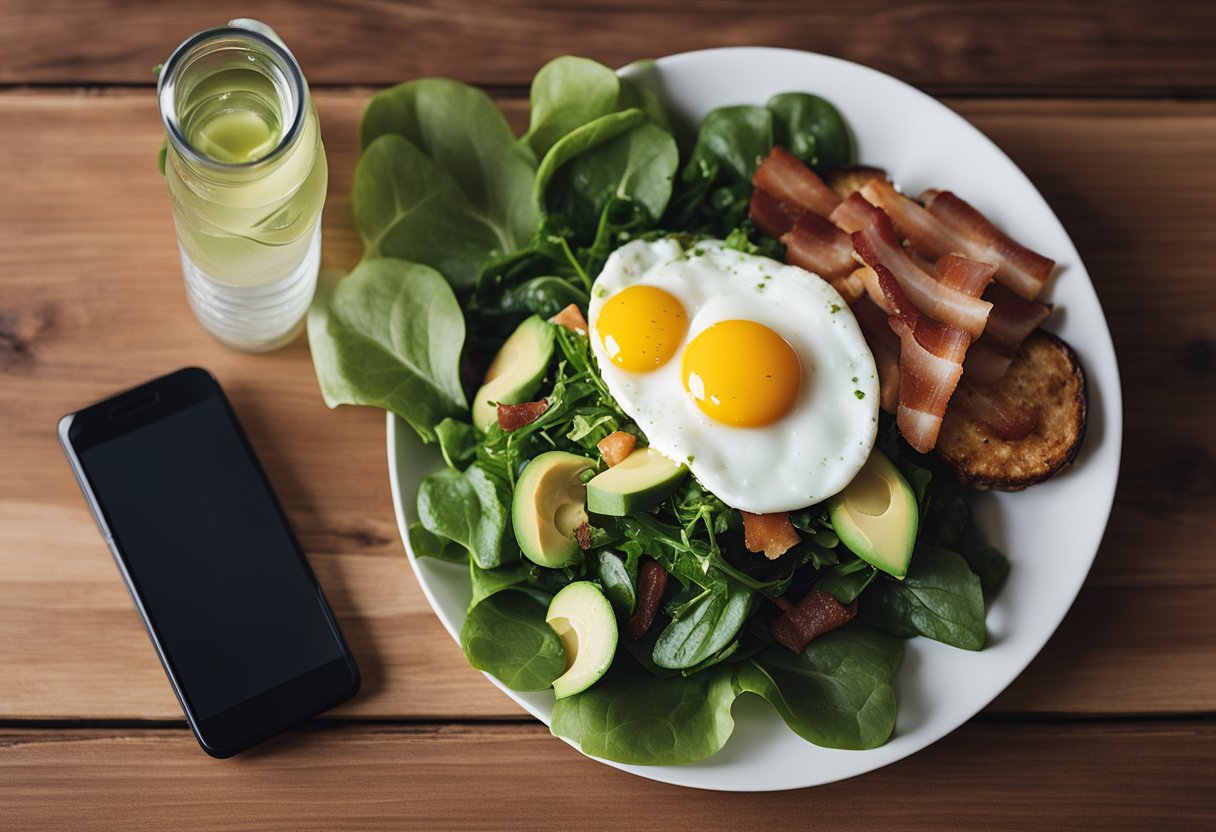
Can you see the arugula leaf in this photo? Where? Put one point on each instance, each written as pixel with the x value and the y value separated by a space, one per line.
pixel 706 627
pixel 506 635
pixel 470 508
pixel 940 598
pixel 631 716
pixel 811 128
pixel 567 93
pixel 837 693
pixel 461 131
pixel 389 335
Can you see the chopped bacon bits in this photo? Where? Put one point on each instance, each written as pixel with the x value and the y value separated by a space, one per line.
pixel 572 319
pixel 772 534
pixel 817 613
pixel 582 536
pixel 515 416
pixel 652 583
pixel 616 446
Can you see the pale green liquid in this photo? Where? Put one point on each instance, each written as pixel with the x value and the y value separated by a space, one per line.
pixel 232 116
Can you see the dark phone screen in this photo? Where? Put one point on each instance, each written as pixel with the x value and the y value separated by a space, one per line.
pixel 215 568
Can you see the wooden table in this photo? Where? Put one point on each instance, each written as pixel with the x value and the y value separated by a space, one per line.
pixel 1111 110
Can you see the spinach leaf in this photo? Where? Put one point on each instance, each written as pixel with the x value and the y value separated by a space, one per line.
pixel 461 131
pixel 630 716
pixel 640 93
pixel 601 161
pixel 940 598
pixel 567 93
pixel 486 582
pixel 470 508
pixel 846 581
pixel 837 693
pixel 715 183
pixel 457 441
pixel 619 578
pixel 505 635
pixel 705 627
pixel 811 128
pixel 407 207
pixel 427 545
pixel 389 335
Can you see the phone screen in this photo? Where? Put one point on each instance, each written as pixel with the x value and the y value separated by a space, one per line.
pixel 219 575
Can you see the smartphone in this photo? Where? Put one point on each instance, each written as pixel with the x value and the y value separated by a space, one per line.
pixel 233 609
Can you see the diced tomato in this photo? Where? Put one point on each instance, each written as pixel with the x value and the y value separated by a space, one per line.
pixel 772 534
pixel 572 319
pixel 616 446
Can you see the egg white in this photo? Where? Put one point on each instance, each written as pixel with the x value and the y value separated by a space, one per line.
pixel 808 455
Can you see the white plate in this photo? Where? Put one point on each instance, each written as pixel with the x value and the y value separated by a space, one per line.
pixel 1050 532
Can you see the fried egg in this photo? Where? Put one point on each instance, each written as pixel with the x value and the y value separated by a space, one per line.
pixel 752 373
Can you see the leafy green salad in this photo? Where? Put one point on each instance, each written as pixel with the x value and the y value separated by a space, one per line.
pixel 635 595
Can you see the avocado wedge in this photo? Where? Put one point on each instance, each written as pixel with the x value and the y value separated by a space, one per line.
pixel 548 506
pixel 583 619
pixel 516 371
pixel 637 483
pixel 876 516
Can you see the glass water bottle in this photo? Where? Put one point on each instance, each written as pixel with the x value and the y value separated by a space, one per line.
pixel 247 175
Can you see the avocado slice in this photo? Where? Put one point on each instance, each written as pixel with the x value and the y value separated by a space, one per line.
pixel 876 516
pixel 548 506
pixel 516 371
pixel 637 483
pixel 581 615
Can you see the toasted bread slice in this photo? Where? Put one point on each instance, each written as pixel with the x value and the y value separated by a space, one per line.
pixel 1024 428
pixel 847 179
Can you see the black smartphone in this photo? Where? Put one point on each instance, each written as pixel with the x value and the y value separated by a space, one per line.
pixel 235 614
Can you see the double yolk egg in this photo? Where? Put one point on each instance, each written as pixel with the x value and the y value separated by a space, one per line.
pixel 752 373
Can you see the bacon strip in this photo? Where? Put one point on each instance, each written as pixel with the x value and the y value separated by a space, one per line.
pixel 967 276
pixel 770 215
pixel 772 534
pixel 853 214
pixel 818 246
pixel 817 613
pixel 1013 318
pixel 884 345
pixel 930 364
pixel 912 222
pixel 783 176
pixel 515 416
pixel 984 365
pixel 878 245
pixel 1022 270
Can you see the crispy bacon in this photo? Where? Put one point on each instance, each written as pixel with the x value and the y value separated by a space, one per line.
pixel 652 583
pixel 582 536
pixel 930 364
pixel 772 534
pixel 926 234
pixel 850 286
pixel 984 365
pixel 853 214
pixel 847 180
pixel 967 276
pixel 572 319
pixel 817 613
pixel 1013 318
pixel 784 176
pixel 878 245
pixel 884 345
pixel 818 246
pixel 1022 270
pixel 770 215
pixel 515 416
pixel 616 446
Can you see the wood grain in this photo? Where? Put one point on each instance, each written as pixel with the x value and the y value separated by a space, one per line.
pixel 1060 777
pixel 1120 47
pixel 91 300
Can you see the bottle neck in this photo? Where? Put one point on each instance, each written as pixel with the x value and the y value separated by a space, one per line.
pixel 234 103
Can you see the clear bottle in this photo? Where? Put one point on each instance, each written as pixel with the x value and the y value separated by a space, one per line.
pixel 247 176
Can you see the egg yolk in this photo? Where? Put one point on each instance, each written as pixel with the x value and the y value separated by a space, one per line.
pixel 741 373
pixel 641 328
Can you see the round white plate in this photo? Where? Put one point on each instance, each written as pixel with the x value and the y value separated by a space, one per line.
pixel 1050 532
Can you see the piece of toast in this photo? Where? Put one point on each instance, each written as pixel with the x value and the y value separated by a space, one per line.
pixel 1024 428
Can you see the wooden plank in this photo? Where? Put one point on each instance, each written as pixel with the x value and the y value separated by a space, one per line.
pixel 1060 777
pixel 1125 47
pixel 91 301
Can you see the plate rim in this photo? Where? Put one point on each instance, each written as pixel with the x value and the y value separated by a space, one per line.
pixel 1113 429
